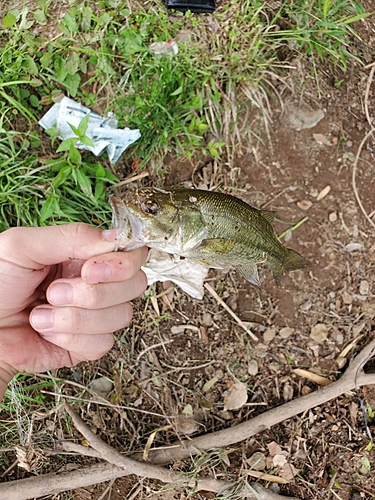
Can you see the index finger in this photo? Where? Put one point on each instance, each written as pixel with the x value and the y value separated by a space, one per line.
pixel 36 247
pixel 114 266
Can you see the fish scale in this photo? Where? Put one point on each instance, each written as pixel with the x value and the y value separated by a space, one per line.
pixel 214 228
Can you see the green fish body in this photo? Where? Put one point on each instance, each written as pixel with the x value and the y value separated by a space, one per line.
pixel 213 228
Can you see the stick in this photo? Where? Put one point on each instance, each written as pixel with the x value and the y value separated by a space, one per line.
pixel 229 310
pixel 48 484
pixel 349 381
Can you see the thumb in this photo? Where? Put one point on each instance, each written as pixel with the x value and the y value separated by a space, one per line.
pixel 37 247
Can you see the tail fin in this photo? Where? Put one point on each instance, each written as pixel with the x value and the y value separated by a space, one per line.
pixel 293 260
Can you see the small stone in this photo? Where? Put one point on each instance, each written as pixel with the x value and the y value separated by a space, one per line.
pixel 332 217
pixel 353 247
pixel 269 335
pixel 102 386
pixel 286 332
pixel 304 204
pixel 319 333
pixel 347 297
pixel 364 287
pixel 207 319
pixel 252 367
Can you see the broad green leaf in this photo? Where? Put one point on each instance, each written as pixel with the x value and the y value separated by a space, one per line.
pixel 75 156
pixel 62 176
pixel 86 141
pixel 84 183
pixel 9 20
pixel 83 124
pixel 50 207
pixel 34 101
pixel 72 83
pixel 178 91
pixel 40 16
pixel 65 145
pixel 74 129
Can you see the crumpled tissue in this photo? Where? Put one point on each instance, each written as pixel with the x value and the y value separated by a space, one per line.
pixel 188 274
pixel 102 131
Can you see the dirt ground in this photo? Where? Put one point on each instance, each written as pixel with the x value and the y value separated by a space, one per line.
pixel 306 323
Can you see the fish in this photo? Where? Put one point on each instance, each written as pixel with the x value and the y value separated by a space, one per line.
pixel 214 228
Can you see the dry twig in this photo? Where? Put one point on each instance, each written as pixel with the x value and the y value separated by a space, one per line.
pixel 364 140
pixel 353 378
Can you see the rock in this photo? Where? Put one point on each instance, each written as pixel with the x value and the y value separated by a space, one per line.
pixel 364 287
pixel 319 333
pixel 252 367
pixel 300 119
pixel 286 332
pixel 102 386
pixel 269 335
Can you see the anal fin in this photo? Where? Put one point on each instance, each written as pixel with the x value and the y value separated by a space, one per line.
pixel 249 272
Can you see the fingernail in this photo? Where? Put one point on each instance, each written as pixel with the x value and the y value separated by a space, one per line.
pixel 98 273
pixel 109 234
pixel 42 318
pixel 61 294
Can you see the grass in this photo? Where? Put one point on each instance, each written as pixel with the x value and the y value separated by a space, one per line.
pixel 197 102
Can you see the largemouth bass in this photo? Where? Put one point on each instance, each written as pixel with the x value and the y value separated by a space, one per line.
pixel 213 228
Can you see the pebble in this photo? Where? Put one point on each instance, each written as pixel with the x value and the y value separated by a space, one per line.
pixel 269 335
pixel 332 217
pixel 319 333
pixel 286 332
pixel 364 287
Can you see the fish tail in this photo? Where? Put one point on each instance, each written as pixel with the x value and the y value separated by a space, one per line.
pixel 292 260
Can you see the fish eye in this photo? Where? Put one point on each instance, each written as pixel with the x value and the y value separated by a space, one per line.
pixel 150 207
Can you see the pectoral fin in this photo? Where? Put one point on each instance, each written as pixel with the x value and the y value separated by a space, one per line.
pixel 217 245
pixel 249 272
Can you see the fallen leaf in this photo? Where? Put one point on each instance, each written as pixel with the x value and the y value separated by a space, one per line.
pixel 287 391
pixel 257 461
pixel 235 397
pixel 274 448
pixel 279 460
pixel 319 333
pixel 323 193
pixel 368 309
pixel 186 424
pixel 318 379
pixel 364 287
pixel 288 472
pixel 209 384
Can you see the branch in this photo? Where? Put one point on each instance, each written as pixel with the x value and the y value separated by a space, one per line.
pixel 353 377
pixel 48 484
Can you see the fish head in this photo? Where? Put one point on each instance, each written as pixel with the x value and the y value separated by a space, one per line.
pixel 144 217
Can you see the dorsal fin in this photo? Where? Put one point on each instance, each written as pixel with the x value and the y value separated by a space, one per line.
pixel 269 215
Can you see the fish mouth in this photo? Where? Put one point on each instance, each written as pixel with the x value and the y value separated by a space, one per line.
pixel 131 231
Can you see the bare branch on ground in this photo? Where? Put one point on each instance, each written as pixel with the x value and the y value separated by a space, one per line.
pixel 353 378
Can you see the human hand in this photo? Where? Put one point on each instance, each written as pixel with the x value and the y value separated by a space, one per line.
pixel 63 291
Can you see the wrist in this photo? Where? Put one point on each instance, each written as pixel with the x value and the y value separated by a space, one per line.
pixel 7 372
